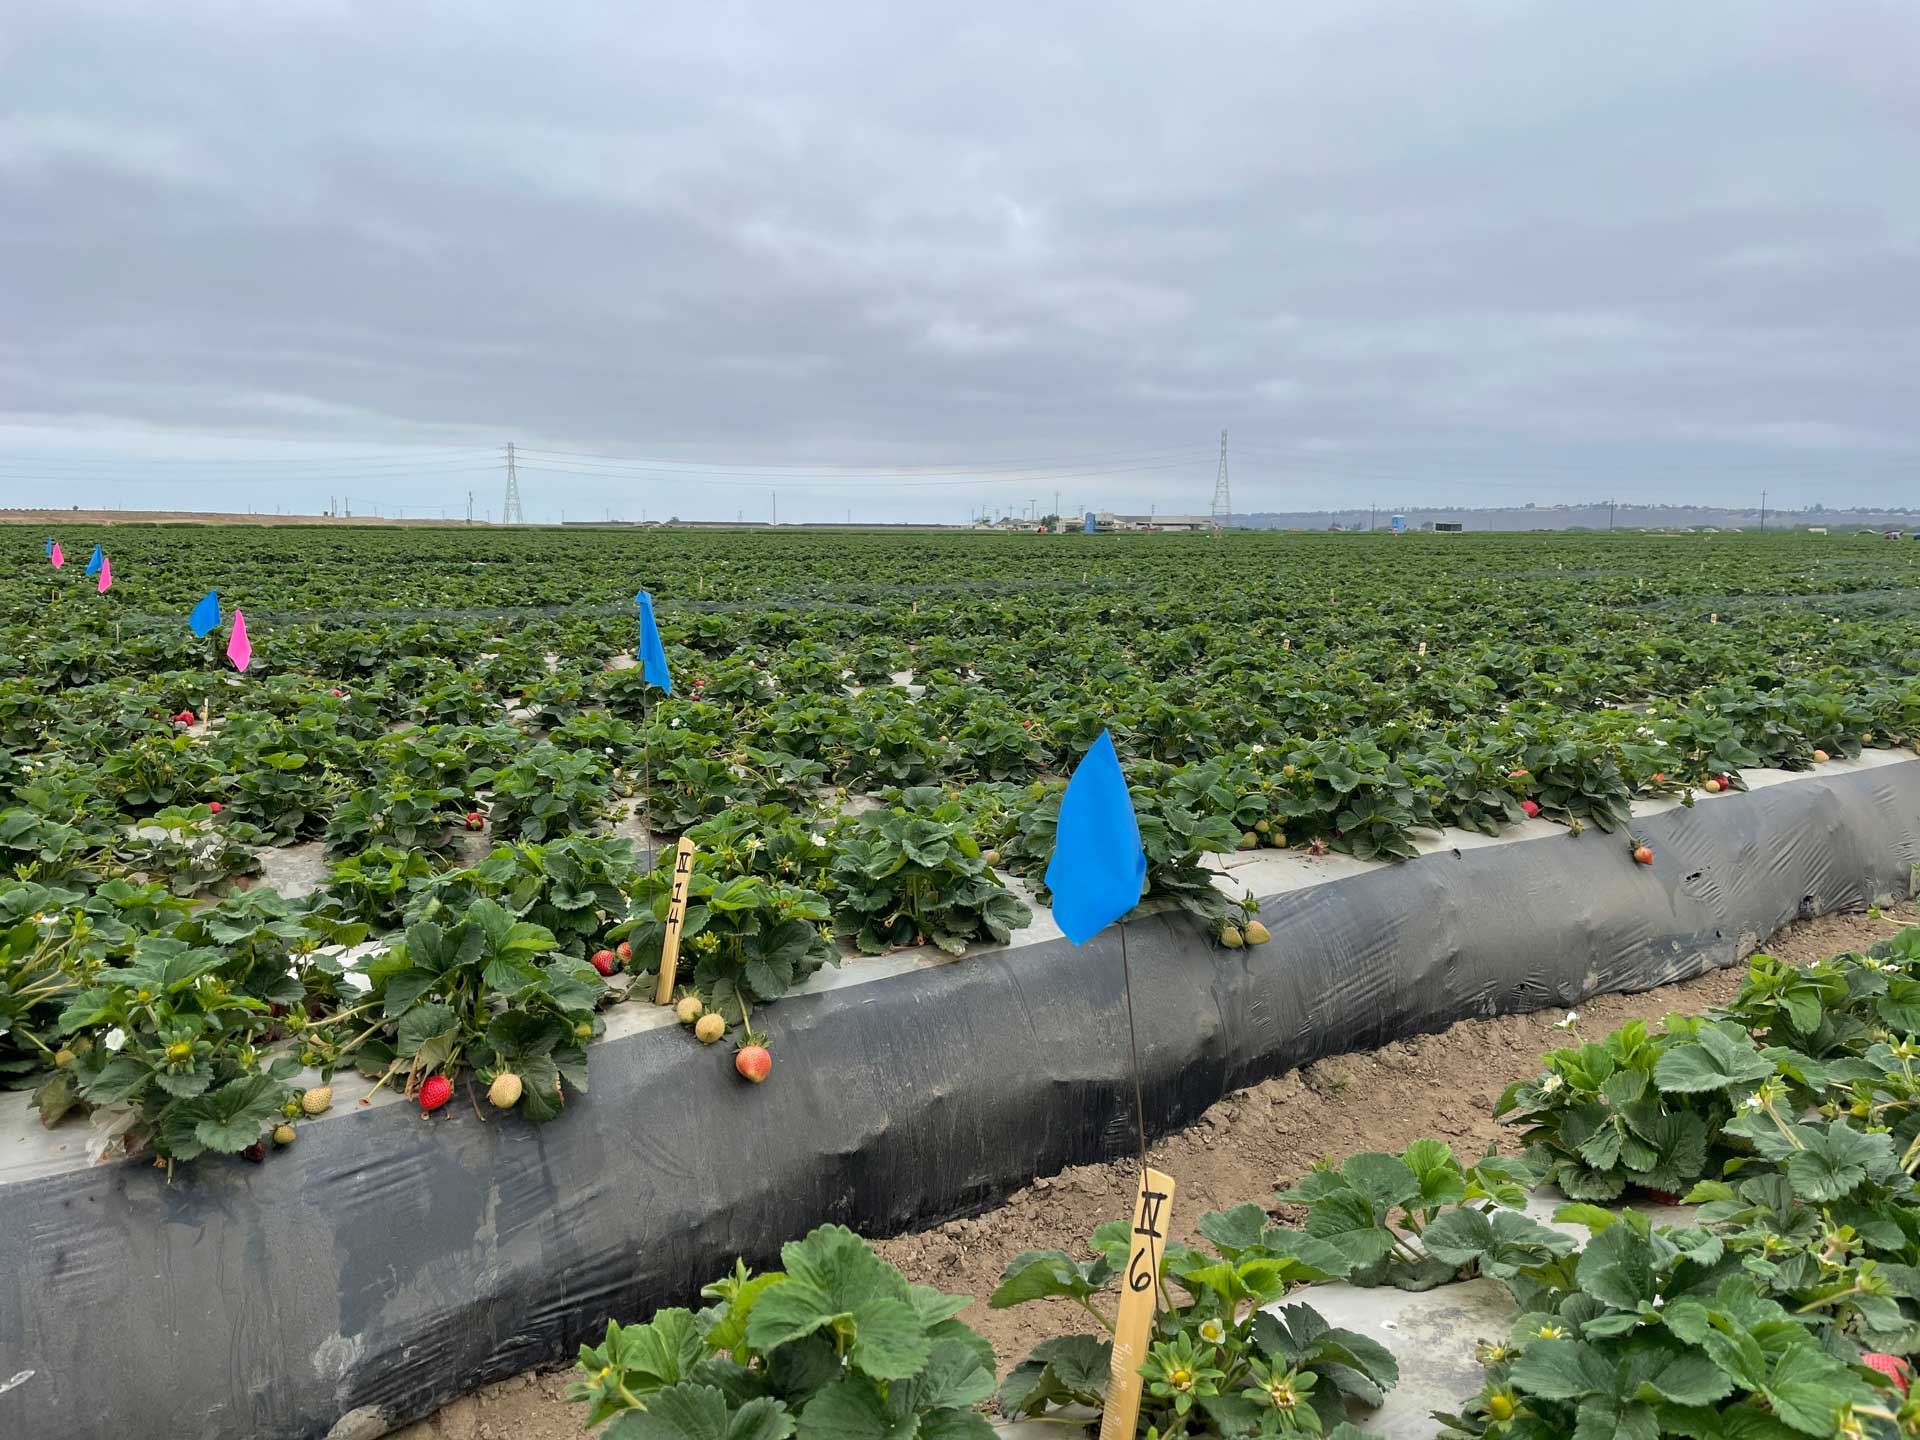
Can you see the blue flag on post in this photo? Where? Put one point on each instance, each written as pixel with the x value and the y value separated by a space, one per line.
pixel 206 615
pixel 49 544
pixel 99 559
pixel 653 655
pixel 1098 865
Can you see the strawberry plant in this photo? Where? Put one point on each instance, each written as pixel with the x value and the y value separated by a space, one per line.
pixel 747 937
pixel 547 793
pixel 180 1054
pixel 575 888
pixel 1223 1357
pixel 396 814
pixel 907 879
pixel 375 886
pixel 836 1344
pixel 479 989
pixel 1656 1333
pixel 189 850
pixel 1635 1108
pixel 1421 1219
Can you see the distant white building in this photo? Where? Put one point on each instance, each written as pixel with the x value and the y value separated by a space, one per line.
pixel 1105 522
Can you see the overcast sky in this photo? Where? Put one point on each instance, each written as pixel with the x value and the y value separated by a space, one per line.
pixel 253 256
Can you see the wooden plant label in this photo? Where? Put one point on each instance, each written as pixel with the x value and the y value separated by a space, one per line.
pixel 676 917
pixel 1152 1216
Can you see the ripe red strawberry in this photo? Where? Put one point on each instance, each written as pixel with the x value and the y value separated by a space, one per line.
pixel 1643 854
pixel 475 820
pixel 1532 807
pixel 435 1093
pixel 753 1062
pixel 214 807
pixel 603 961
pixel 185 717
pixel 1891 1366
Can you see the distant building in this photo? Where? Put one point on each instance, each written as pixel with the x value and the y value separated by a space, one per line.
pixel 1448 527
pixel 1105 522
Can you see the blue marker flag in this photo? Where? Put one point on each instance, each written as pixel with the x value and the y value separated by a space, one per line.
pixel 99 559
pixel 653 655
pixel 1098 865
pixel 206 615
pixel 49 544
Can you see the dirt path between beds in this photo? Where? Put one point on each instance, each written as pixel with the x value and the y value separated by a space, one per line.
pixel 1249 1145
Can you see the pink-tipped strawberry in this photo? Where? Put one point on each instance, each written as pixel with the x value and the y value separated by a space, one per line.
pixel 1532 807
pixel 338 694
pixel 1643 854
pixel 603 961
pixel 624 951
pixel 435 1093
pixel 1891 1366
pixel 753 1062
pixel 475 820
pixel 1516 774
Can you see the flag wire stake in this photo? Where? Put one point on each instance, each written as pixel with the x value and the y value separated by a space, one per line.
pixel 1133 1047
pixel 646 769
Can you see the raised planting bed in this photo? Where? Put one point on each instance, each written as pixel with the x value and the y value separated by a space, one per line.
pixel 389 1261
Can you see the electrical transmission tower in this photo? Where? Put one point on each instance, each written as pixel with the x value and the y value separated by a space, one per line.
pixel 511 513
pixel 1222 496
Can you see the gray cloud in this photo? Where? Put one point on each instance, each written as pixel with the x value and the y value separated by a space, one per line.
pixel 1416 252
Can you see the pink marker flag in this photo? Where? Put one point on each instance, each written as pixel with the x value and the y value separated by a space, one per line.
pixel 56 556
pixel 239 648
pixel 106 575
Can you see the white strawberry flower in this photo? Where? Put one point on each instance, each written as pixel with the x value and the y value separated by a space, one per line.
pixel 1551 1084
pixel 116 1037
pixel 1567 1024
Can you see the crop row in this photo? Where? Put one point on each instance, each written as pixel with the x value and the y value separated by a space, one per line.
pixel 146 973
pixel 1786 1305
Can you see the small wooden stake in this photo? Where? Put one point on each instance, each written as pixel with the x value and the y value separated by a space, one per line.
pixel 676 917
pixel 1152 1218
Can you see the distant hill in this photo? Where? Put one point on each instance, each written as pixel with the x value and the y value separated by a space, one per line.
pixel 1586 517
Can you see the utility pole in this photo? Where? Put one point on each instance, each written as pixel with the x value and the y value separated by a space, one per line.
pixel 1610 505
pixel 510 512
pixel 469 507
pixel 1222 496
pixel 1763 512
pixel 1373 514
pixel 776 505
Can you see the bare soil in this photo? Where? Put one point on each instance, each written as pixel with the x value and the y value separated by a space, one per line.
pixel 1246 1147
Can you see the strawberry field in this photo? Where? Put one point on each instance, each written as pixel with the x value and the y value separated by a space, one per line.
pixel 867 740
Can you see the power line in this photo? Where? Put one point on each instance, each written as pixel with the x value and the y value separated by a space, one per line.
pixel 892 482
pixel 940 467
